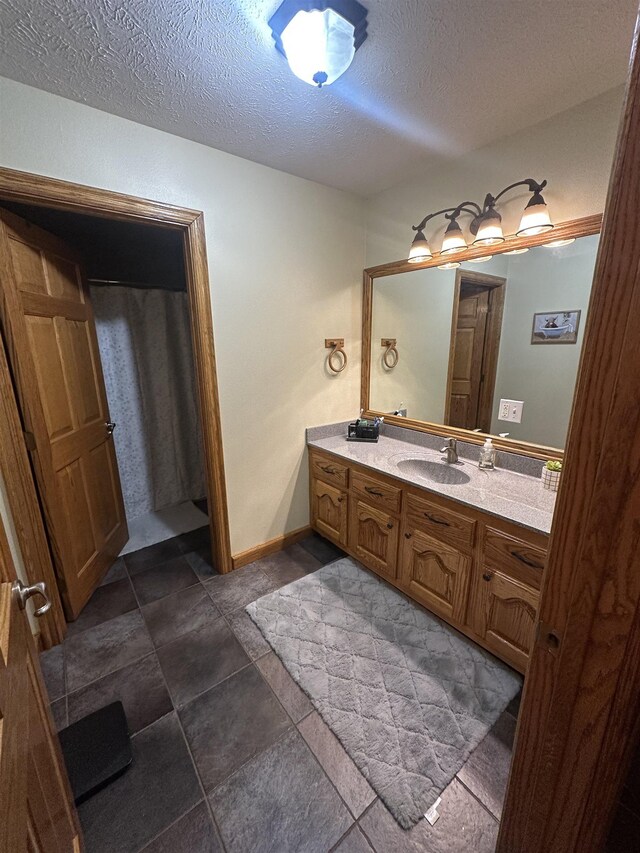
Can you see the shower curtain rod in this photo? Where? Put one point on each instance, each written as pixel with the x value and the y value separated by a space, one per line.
pixel 105 282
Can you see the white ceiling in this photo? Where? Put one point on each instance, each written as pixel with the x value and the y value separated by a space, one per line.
pixel 435 77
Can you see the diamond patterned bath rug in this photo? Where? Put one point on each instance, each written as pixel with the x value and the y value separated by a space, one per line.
pixel 407 696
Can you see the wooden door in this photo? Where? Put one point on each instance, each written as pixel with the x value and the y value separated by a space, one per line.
pixel 435 574
pixel 466 368
pixel 50 332
pixel 504 615
pixel 374 538
pixel 329 511
pixel 36 808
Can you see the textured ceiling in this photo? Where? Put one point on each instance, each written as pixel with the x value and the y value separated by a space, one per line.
pixel 434 79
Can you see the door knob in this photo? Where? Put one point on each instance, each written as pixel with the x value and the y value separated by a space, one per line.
pixel 110 425
pixel 23 593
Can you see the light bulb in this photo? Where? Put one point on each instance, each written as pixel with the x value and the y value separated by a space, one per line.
pixel 535 219
pixel 453 239
pixel 489 229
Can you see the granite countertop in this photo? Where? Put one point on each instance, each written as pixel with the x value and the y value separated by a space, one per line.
pixel 519 498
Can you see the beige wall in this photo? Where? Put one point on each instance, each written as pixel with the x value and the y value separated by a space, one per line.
pixel 572 150
pixel 285 258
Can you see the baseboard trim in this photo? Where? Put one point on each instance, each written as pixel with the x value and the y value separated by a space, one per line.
pixel 243 558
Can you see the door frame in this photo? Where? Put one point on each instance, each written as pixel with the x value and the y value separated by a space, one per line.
pixel 28 188
pixel 496 285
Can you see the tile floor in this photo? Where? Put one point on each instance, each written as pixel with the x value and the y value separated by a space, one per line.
pixel 229 754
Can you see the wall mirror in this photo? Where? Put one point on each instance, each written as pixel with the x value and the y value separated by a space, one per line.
pixel 491 347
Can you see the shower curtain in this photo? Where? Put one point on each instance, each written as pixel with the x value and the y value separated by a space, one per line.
pixel 147 359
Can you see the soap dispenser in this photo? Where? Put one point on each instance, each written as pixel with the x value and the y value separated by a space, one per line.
pixel 487 455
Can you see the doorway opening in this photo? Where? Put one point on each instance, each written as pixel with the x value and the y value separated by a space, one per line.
pixel 473 354
pixel 109 314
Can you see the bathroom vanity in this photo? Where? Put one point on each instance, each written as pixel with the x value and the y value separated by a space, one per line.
pixel 467 544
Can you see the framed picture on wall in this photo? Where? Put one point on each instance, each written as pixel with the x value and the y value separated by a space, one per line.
pixel 555 327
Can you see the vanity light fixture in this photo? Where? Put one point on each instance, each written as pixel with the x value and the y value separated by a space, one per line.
pixel 319 38
pixel 485 225
pixel 555 244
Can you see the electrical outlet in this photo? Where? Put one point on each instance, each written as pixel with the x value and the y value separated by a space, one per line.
pixel 510 410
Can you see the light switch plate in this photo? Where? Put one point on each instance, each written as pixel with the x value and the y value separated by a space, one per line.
pixel 510 410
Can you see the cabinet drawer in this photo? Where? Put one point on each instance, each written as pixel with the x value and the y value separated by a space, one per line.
pixel 329 470
pixel 515 557
pixel 376 492
pixel 444 524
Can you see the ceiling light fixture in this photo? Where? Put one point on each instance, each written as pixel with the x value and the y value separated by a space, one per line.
pixel 485 225
pixel 318 38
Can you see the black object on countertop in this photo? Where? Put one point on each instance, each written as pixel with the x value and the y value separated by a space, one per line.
pixel 96 750
pixel 364 429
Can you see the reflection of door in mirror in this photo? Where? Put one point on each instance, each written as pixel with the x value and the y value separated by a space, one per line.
pixel 473 357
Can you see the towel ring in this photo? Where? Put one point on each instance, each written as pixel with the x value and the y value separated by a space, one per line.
pixel 390 356
pixel 336 346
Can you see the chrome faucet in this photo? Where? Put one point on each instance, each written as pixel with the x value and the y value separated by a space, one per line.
pixel 451 450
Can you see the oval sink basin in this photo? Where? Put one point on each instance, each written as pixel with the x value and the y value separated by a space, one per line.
pixel 438 472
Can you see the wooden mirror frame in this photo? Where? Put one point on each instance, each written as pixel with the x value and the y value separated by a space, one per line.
pixel 584 227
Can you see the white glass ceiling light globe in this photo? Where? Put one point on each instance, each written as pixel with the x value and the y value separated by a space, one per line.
pixel 319 46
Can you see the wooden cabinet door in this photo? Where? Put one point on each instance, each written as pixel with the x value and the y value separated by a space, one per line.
pixel 51 339
pixel 435 574
pixel 329 509
pixel 504 615
pixel 36 808
pixel 373 536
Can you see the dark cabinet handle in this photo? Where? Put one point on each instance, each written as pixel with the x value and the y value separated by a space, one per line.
pixel 373 491
pixel 340 500
pixel 436 520
pixel 329 469
pixel 532 563
pixel 407 536
pixel 390 525
pixel 487 576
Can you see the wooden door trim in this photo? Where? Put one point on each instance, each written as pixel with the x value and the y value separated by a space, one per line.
pixel 584 227
pixel 494 327
pixel 27 188
pixel 579 718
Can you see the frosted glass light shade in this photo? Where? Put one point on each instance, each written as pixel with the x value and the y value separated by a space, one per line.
pixel 535 219
pixel 555 244
pixel 453 239
pixel 420 250
pixel 482 260
pixel 450 265
pixel 489 230
pixel 517 251
pixel 319 46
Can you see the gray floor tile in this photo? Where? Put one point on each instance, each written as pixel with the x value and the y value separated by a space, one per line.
pixel 201 562
pixel 52 666
pixel 117 572
pixel 353 842
pixel 321 548
pixel 59 712
pixel 296 703
pixel 193 833
pixel 513 707
pixel 196 661
pixel 239 588
pixel 486 772
pixel 230 723
pixel 280 802
pixel 303 559
pixel 177 614
pixel 249 634
pixel 164 579
pixel 339 767
pixel 464 825
pixel 153 555
pixel 107 601
pixel 288 565
pixel 139 686
pixel 194 540
pixel 160 786
pixel 98 651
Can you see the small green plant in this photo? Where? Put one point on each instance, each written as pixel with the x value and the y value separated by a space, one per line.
pixel 553 465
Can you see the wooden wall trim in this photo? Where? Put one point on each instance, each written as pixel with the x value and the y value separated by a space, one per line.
pixel 27 188
pixel 579 717
pixel 583 227
pixel 279 543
